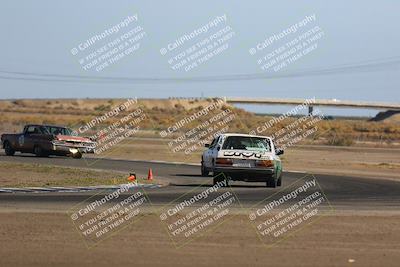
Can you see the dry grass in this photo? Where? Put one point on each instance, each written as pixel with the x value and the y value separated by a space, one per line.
pixel 164 113
pixel 25 174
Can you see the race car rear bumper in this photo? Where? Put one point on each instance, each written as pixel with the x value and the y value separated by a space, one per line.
pixel 242 169
pixel 245 174
pixel 230 169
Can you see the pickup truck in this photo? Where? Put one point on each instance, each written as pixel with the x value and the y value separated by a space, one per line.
pixel 45 140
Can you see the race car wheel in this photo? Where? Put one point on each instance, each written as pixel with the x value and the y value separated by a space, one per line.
pixel 279 182
pixel 272 182
pixel 204 171
pixel 8 149
pixel 217 178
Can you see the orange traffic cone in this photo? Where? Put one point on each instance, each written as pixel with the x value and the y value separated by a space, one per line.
pixel 132 177
pixel 150 175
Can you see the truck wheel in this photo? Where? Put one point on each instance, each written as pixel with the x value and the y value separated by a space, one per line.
pixel 204 171
pixel 8 149
pixel 38 151
pixel 77 155
pixel 272 182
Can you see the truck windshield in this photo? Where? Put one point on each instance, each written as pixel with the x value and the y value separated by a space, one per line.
pixel 247 143
pixel 56 130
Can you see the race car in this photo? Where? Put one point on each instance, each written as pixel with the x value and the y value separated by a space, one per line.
pixel 243 157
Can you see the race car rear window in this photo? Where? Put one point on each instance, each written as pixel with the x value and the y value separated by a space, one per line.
pixel 247 143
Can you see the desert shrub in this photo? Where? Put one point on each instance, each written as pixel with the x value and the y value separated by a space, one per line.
pixel 75 104
pixel 102 107
pixel 362 128
pixel 340 140
pixel 19 102
pixel 179 106
pixel 389 129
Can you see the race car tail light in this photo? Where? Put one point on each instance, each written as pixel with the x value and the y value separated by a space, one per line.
pixel 222 161
pixel 265 163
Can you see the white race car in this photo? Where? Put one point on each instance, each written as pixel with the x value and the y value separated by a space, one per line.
pixel 243 157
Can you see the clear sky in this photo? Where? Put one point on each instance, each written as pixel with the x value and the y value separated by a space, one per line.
pixel 37 38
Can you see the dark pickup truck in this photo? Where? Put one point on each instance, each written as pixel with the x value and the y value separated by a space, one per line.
pixel 45 140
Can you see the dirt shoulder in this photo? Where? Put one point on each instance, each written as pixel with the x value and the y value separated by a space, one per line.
pixel 13 174
pixel 348 161
pixel 49 239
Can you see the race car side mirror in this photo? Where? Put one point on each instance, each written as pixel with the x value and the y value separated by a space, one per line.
pixel 279 151
pixel 206 145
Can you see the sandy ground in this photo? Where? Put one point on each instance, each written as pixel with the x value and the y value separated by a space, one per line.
pixel 49 239
pixel 364 162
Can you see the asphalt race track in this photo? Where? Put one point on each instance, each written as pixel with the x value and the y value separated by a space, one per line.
pixel 342 192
